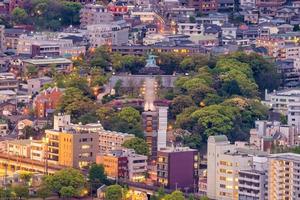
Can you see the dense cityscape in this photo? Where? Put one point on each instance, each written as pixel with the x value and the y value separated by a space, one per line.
pixel 150 99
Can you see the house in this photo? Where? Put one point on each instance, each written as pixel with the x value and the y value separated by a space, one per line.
pixel 8 108
pixel 22 124
pixel 46 102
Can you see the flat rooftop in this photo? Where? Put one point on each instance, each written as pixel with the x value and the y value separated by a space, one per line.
pixel 48 61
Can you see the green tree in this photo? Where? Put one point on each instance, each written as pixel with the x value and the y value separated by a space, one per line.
pixel 25 177
pixel 169 62
pixel 139 145
pixel 43 192
pixel 97 176
pixel 130 115
pixel 71 12
pixel 21 191
pixel 192 19
pixel 264 71
pixel 32 71
pixel 180 103
pixel 67 192
pixel 6 193
pixel 19 15
pixel 113 192
pixel 176 195
pixel 75 103
pixel 65 178
pixel 118 87
pixel 29 131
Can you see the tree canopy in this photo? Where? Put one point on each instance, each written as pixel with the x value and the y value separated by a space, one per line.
pixel 221 96
pixel 138 144
pixel 47 14
pixel 66 182
pixel 113 192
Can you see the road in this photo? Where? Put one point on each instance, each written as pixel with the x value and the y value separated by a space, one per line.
pixel 149 94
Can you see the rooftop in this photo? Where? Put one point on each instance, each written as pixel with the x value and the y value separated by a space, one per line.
pixel 286 156
pixel 47 61
pixel 176 149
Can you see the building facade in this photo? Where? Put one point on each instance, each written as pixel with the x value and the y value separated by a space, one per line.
pixel 284 176
pixel 72 148
pixel 177 168
pixel 46 101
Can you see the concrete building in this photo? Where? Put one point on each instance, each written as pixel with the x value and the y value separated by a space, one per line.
pixel 44 65
pixel 294 114
pixel 3 128
pixel 115 164
pixel 267 133
pixel 224 161
pixel 284 177
pixel 177 168
pixel 12 36
pixel 162 127
pixel 137 165
pixel 92 14
pixel 111 140
pixel 279 100
pixel 107 140
pixel 114 33
pixel 253 183
pixel 72 148
pixel 8 81
pixel 124 163
pixel 150 127
pixel 32 149
pixel 47 45
pixel 35 84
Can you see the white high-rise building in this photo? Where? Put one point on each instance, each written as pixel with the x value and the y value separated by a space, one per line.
pixel 224 161
pixel 162 127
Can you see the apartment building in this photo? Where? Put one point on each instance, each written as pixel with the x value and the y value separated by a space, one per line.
pixel 137 165
pixel 279 100
pixel 8 81
pixel 111 140
pixel 47 45
pixel 294 114
pixel 32 149
pixel 114 33
pixel 284 176
pixel 253 183
pixel 72 148
pixel 115 164
pixel 92 14
pixel 124 163
pixel 12 36
pixel 224 161
pixel 107 140
pixel 177 168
